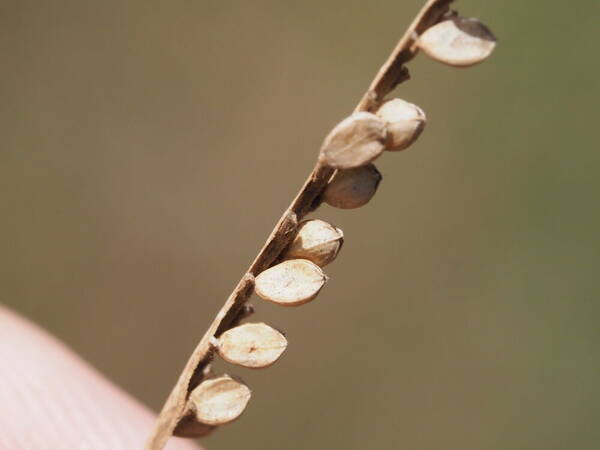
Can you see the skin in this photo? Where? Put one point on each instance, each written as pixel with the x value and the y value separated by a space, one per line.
pixel 51 399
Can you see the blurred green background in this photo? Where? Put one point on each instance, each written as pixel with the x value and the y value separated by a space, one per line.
pixel 149 147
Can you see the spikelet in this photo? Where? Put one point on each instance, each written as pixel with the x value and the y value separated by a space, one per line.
pixel 317 241
pixel 290 283
pixel 352 188
pixel 355 141
pixel 220 400
pixel 405 122
pixel 459 42
pixel 253 345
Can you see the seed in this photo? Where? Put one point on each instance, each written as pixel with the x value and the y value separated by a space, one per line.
pixel 290 283
pixel 317 241
pixel 355 141
pixel 405 122
pixel 459 42
pixel 220 400
pixel 352 188
pixel 253 345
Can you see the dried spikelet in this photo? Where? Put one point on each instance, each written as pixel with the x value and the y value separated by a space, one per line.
pixel 355 141
pixel 352 188
pixel 459 42
pixel 290 283
pixel 405 122
pixel 317 241
pixel 220 400
pixel 253 345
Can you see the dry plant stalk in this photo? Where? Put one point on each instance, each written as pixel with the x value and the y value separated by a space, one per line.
pixel 287 270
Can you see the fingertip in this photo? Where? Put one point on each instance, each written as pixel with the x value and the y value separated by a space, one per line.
pixel 57 400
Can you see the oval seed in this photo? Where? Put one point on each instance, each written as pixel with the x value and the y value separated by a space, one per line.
pixel 355 141
pixel 405 122
pixel 253 345
pixel 317 241
pixel 218 401
pixel 352 188
pixel 459 42
pixel 290 283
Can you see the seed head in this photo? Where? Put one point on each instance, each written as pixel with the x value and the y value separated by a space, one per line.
pixel 317 241
pixel 253 345
pixel 352 188
pixel 405 122
pixel 355 141
pixel 459 42
pixel 290 283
